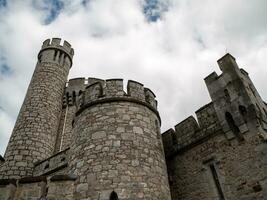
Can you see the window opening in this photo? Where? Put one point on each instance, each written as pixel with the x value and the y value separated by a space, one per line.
pixel 74 96
pixel 55 55
pixel 216 180
pixel 233 126
pixel 113 196
pixel 243 112
pixel 227 95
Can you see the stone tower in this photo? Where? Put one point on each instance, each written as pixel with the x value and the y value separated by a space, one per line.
pixel 34 134
pixel 238 105
pixel 117 147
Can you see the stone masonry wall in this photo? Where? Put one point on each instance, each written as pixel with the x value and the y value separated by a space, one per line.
pixel 34 134
pixel 241 170
pixel 223 155
pixel 71 101
pixel 191 131
pixel 33 188
pixel 117 144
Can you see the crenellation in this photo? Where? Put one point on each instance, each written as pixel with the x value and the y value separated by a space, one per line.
pixel 92 92
pixel 150 98
pixel 211 78
pixel 55 44
pixel 135 90
pixel 114 88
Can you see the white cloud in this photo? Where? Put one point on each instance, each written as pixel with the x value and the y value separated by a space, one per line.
pixel 112 38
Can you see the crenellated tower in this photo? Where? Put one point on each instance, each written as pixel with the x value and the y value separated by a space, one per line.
pixel 34 134
pixel 238 105
pixel 117 147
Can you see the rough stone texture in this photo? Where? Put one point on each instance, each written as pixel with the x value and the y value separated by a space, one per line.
pixel 88 139
pixel 56 163
pixel 61 190
pixel 233 152
pixel 117 147
pixel 64 135
pixel 34 134
pixel 35 188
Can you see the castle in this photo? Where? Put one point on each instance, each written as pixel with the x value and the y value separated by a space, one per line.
pixel 88 139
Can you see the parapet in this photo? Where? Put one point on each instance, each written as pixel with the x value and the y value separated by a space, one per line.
pixel 55 163
pixel 191 131
pixel 75 88
pixel 57 50
pixel 112 90
pixel 55 44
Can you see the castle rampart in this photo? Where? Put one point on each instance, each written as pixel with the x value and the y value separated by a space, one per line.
pixel 117 135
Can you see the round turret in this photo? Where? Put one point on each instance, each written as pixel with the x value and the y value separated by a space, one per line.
pixel 116 146
pixel 35 131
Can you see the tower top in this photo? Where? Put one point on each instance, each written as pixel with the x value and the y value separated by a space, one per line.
pixel 55 44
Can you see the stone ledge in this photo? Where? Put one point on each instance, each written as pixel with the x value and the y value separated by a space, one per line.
pixel 8 181
pixel 33 179
pixel 63 177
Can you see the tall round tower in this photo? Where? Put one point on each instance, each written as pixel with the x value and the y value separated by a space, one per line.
pixel 117 148
pixel 34 134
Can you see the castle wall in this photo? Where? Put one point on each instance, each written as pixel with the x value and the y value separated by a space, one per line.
pixel 241 170
pixel 54 188
pixel 117 144
pixel 217 156
pixel 71 101
pixel 34 134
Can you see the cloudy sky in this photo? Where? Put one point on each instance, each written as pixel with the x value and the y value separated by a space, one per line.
pixel 168 45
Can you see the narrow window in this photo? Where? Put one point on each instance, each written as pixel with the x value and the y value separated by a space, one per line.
pixel 55 54
pixel 174 139
pixel 233 126
pixel 74 96
pixel 243 112
pixel 216 180
pixel 227 96
pixel 46 166
pixel 113 196
pixel 64 59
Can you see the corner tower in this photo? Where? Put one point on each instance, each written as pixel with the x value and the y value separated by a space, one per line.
pixel 238 105
pixel 34 134
pixel 117 148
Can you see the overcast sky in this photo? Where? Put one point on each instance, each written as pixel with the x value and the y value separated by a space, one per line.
pixel 168 45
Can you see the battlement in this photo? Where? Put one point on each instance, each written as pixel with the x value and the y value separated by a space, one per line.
pixel 191 130
pixel 112 89
pixel 74 89
pixel 56 52
pixel 55 44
